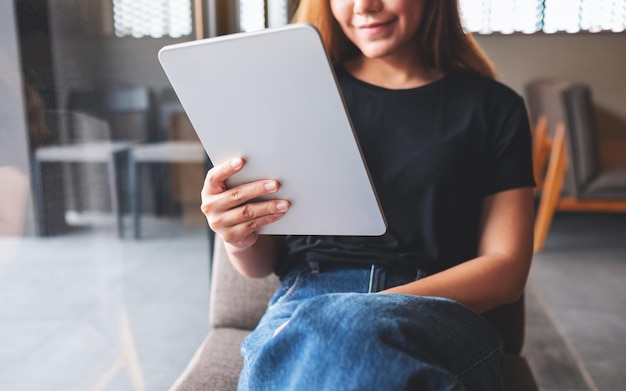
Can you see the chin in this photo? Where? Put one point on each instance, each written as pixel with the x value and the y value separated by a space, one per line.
pixel 378 51
pixel 375 54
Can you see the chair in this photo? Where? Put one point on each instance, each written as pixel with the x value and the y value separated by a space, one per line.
pixel 168 105
pixel 576 178
pixel 129 110
pixel 545 112
pixel 82 139
pixel 238 303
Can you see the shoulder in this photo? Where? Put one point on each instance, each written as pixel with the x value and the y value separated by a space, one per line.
pixel 482 89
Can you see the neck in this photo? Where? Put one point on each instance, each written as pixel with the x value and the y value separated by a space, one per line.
pixel 393 72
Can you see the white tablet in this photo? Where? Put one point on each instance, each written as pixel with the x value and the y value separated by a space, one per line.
pixel 271 97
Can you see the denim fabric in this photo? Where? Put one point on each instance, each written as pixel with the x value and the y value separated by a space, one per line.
pixel 339 337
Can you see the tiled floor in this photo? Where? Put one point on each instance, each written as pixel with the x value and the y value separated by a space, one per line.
pixel 86 311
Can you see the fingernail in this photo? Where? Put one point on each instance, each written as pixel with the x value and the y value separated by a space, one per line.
pixel 282 205
pixel 271 186
pixel 235 163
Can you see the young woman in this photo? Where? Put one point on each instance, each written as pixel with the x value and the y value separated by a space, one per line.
pixel 448 148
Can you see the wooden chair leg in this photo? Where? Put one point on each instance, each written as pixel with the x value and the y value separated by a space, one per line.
pixel 551 192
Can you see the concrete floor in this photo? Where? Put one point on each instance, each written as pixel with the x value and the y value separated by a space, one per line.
pixel 580 281
pixel 86 311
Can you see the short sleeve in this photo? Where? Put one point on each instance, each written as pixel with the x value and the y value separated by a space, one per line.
pixel 509 164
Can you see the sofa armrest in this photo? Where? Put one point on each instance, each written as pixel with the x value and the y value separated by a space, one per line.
pixel 236 301
pixel 216 364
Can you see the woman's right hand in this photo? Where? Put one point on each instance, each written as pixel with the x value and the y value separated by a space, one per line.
pixel 230 213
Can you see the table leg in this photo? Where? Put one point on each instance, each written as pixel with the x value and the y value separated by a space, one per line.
pixel 114 165
pixel 134 193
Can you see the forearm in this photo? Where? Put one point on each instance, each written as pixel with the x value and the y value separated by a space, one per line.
pixel 499 273
pixel 258 260
pixel 480 284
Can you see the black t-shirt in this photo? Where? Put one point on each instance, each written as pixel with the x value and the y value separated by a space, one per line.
pixel 434 152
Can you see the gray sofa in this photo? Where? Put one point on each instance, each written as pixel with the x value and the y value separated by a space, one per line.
pixel 238 303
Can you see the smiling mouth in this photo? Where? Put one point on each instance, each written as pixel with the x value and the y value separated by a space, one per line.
pixel 372 28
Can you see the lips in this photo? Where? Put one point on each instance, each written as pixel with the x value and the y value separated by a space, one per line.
pixel 374 27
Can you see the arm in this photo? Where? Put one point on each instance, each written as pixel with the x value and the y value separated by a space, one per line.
pixel 235 219
pixel 498 274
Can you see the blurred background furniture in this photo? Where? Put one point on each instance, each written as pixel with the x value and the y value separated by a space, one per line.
pixel 81 139
pixel 545 112
pixel 186 160
pixel 237 304
pixel 129 110
pixel 187 179
pixel 178 152
pixel 577 178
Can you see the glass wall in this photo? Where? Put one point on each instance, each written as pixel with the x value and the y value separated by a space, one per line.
pixel 104 253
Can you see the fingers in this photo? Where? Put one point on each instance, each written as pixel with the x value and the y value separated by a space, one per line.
pixel 245 193
pixel 236 223
pixel 215 181
pixel 231 213
pixel 253 215
pixel 243 233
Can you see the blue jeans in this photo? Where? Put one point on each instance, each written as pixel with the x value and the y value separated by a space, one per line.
pixel 340 337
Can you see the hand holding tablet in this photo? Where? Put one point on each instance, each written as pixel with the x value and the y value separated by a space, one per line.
pixel 231 213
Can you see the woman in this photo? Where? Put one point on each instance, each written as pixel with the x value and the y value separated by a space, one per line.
pixel 448 149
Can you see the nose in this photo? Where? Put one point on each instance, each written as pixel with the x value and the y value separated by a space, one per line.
pixel 367 6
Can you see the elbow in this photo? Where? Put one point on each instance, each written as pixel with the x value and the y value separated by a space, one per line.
pixel 513 294
pixel 511 288
pixel 517 270
pixel 512 291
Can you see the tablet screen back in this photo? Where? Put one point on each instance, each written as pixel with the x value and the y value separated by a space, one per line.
pixel 272 98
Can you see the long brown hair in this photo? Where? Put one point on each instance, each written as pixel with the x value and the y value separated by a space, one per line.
pixel 443 43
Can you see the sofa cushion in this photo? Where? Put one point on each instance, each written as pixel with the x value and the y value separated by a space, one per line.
pixel 609 184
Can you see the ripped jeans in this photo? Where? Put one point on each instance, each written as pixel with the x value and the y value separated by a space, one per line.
pixel 337 336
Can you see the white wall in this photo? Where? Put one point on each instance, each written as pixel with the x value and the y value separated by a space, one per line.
pixel 13 129
pixel 596 59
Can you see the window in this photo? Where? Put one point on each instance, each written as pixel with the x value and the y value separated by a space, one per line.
pixel 549 16
pixel 258 14
pixel 251 15
pixel 147 18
